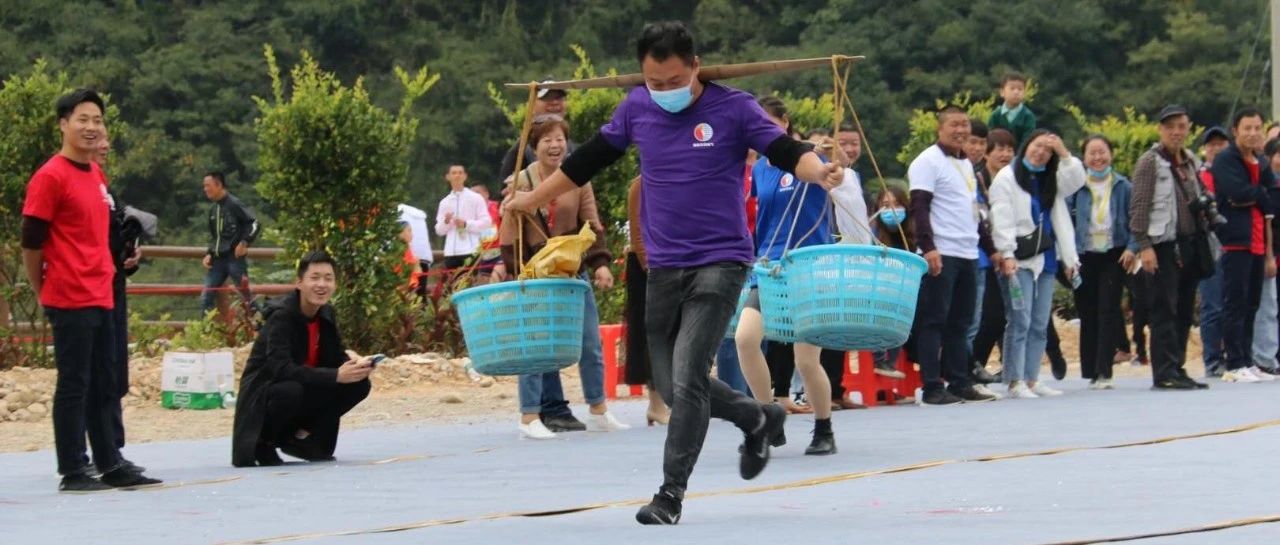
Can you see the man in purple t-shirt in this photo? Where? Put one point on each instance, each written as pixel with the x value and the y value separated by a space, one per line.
pixel 693 140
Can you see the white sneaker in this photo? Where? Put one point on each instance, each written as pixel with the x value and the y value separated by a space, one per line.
pixel 1044 391
pixel 1240 375
pixel 536 430
pixel 605 422
pixel 982 389
pixel 1102 384
pixel 1261 375
pixel 1019 390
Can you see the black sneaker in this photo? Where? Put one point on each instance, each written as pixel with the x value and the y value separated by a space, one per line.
pixel 124 462
pixel 823 444
pixel 981 376
pixel 123 478
pixel 80 483
pixel 755 447
pixel 266 456
pixel 561 423
pixel 939 397
pixel 1059 367
pixel 663 509
pixel 305 449
pixel 1177 383
pixel 970 395
pixel 1195 384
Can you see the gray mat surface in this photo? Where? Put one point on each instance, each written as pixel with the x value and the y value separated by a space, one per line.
pixel 479 467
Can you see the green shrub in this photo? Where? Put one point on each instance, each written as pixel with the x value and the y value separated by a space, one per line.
pixel 335 166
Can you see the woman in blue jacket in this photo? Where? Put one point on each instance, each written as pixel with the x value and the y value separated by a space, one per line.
pixel 1100 212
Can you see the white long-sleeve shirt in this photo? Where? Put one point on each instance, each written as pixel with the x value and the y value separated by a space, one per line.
pixel 465 205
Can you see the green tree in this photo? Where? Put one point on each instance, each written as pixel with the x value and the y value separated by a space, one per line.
pixel 334 165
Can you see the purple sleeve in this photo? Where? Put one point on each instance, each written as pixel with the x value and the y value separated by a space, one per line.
pixel 758 131
pixel 618 130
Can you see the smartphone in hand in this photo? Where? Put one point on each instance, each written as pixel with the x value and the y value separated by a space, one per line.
pixel 375 359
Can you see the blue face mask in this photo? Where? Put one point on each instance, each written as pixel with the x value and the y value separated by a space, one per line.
pixel 892 217
pixel 1100 173
pixel 675 100
pixel 1032 167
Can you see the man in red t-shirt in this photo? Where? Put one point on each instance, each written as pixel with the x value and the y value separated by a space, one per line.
pixel 1243 184
pixel 68 261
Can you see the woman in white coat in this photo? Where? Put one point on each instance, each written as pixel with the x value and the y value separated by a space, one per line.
pixel 1032 230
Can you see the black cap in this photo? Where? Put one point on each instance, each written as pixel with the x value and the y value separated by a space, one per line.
pixel 546 93
pixel 1172 110
pixel 1214 131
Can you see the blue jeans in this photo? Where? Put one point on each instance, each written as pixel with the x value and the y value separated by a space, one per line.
pixel 544 394
pixel 1211 319
pixel 1026 333
pixel 1266 332
pixel 222 269
pixel 728 369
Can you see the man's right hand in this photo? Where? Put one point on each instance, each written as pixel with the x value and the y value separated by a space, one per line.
pixel 448 217
pixel 1148 256
pixel 934 259
pixel 208 261
pixel 353 371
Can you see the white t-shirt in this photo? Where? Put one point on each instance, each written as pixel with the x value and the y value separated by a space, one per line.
pixel 417 220
pixel 953 214
pixel 851 210
pixel 1099 215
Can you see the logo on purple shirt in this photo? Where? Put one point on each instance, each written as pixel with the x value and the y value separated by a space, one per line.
pixel 703 133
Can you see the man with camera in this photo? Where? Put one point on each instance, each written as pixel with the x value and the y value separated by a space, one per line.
pixel 1170 221
pixel 1242 182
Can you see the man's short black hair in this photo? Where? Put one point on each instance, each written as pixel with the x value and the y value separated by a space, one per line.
pixel 313 258
pixel 68 102
pixel 664 40
pixel 948 109
pixel 848 127
pixel 218 176
pixel 977 128
pixel 1245 113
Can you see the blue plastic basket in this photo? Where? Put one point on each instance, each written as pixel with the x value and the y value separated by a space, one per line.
pixel 775 301
pixel 853 297
pixel 742 302
pixel 522 327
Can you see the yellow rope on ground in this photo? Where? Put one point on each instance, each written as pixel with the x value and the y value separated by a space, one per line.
pixel 806 483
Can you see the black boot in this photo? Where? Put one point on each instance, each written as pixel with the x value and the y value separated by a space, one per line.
pixel 824 440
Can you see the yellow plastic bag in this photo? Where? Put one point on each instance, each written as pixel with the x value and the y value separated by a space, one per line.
pixel 561 257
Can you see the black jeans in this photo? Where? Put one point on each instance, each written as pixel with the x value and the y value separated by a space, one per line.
pixel 688 311
pixel 1098 305
pixel 991 330
pixel 87 390
pixel 1241 294
pixel 943 315
pixel 291 406
pixel 1170 300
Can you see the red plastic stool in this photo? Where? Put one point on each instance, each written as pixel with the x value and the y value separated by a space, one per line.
pixel 865 381
pixel 613 338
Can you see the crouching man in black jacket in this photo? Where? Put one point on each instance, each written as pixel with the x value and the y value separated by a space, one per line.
pixel 299 380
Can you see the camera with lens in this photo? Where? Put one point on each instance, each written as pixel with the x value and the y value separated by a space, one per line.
pixel 1206 206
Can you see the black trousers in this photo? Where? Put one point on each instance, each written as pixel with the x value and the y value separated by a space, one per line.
pixel 991 330
pixel 1098 304
pixel 943 315
pixel 87 389
pixel 120 321
pixel 781 358
pixel 1170 300
pixel 637 280
pixel 1241 295
pixel 292 406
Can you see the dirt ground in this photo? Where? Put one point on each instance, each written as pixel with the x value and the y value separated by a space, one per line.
pixel 406 389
